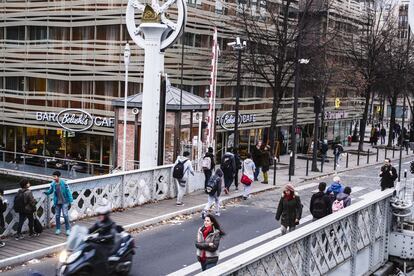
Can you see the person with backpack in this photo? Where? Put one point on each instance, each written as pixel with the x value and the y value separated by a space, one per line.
pixel 214 190
pixel 3 208
pixel 62 200
pixel 237 161
pixel 337 151
pixel 248 169
pixel 208 241
pixel 324 150
pixel 181 171
pixel 342 200
pixel 289 210
pixel 208 166
pixel 320 204
pixel 228 166
pixel 25 206
pixel 388 175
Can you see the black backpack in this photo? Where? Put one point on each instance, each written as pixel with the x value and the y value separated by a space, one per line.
pixel 3 206
pixel 18 204
pixel 319 207
pixel 211 187
pixel 178 170
pixel 227 164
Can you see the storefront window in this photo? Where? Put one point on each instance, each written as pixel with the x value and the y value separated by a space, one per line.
pixel 55 143
pixel 35 141
pixel 76 146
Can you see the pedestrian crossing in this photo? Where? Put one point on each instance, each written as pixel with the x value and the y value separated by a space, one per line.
pixel 355 189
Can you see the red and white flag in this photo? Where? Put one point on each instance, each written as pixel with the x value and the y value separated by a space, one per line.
pixel 211 122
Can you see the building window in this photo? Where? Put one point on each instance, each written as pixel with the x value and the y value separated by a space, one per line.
pixel 15 33
pixel 15 83
pixel 37 32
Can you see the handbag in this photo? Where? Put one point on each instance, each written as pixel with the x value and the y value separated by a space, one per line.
pixel 37 226
pixel 245 180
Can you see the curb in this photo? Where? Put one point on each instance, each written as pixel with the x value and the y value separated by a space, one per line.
pixel 16 260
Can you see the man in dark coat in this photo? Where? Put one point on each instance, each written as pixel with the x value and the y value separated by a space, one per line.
pixel 388 175
pixel 257 159
pixel 320 204
pixel 228 166
pixel 208 171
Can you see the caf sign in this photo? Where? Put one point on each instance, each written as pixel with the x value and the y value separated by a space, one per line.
pixel 228 119
pixel 75 120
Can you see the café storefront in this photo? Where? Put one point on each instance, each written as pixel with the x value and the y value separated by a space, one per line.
pixel 55 138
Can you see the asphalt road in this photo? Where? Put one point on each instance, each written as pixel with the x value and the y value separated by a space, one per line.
pixel 167 248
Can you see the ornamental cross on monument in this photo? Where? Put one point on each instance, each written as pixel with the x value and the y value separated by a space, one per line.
pixel 155 34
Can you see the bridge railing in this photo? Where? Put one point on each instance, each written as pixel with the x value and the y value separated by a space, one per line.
pixel 352 241
pixel 123 190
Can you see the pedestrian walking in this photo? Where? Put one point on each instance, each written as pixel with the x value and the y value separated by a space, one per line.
pixel 248 169
pixel 208 241
pixel 335 188
pixel 320 204
pixel 228 166
pixel 181 171
pixel 338 149
pixel 383 134
pixel 237 161
pixel 62 200
pixel 342 200
pixel 208 166
pixel 25 206
pixel 257 159
pixel 388 175
pixel 266 161
pixel 289 210
pixel 324 150
pixel 3 208
pixel 214 191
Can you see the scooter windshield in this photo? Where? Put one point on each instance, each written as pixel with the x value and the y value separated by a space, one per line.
pixel 77 236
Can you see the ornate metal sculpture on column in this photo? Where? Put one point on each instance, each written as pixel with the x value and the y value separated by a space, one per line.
pixel 155 34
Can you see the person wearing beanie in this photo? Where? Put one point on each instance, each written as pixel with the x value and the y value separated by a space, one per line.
pixel 289 210
pixel 213 189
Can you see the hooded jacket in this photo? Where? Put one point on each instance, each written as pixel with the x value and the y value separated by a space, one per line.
pixel 248 168
pixel 217 177
pixel 64 188
pixel 188 167
pixel 289 210
pixel 233 164
pixel 29 201
pixel 320 211
pixel 345 197
pixel 213 164
pixel 335 188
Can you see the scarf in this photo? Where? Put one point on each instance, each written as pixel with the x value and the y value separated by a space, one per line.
pixel 205 233
pixel 289 196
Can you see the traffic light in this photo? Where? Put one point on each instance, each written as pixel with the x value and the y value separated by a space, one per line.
pixel 412 167
pixel 337 103
pixel 317 104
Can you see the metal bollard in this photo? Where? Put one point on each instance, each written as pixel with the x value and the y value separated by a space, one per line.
pixel 377 154
pixel 307 167
pixel 358 158
pixel 393 151
pixel 368 157
pixel 274 171
pixel 323 161
pixel 335 162
pixel 347 160
pixel 406 149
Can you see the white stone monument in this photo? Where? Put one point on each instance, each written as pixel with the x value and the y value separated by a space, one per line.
pixel 155 33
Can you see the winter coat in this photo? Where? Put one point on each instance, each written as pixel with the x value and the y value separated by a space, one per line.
pixel 335 188
pixel 383 132
pixel 266 160
pixel 213 164
pixel 188 167
pixel 64 188
pixel 289 210
pixel 228 173
pixel 218 179
pixel 257 156
pixel 320 211
pixel 248 168
pixel 212 252
pixel 388 175
pixel 345 197
pixel 29 201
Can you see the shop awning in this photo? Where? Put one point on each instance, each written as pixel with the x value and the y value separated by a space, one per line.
pixel 190 101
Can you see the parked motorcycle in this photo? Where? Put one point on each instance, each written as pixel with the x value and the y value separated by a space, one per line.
pixel 89 254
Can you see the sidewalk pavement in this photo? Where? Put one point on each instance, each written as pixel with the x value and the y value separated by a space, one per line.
pixel 16 252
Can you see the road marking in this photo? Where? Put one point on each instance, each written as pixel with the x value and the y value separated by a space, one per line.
pixel 233 250
pixel 307 186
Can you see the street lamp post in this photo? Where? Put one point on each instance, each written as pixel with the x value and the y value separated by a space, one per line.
pixel 238 46
pixel 127 55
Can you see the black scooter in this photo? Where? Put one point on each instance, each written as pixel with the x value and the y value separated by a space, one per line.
pixel 90 255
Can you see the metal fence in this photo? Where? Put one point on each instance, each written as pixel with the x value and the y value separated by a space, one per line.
pixel 352 241
pixel 124 189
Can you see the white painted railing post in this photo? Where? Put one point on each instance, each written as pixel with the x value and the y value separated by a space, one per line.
pixel 354 242
pixel 47 210
pixel 306 256
pixel 373 224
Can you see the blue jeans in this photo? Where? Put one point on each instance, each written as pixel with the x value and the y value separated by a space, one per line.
pixel 256 173
pixel 205 266
pixel 64 209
